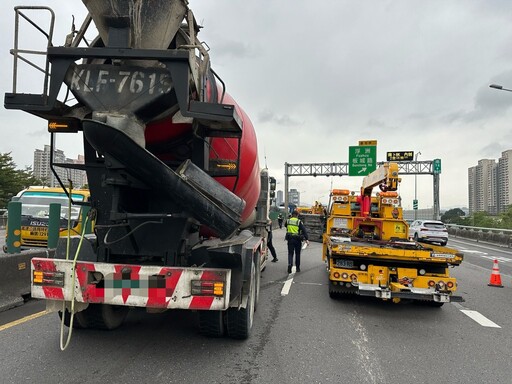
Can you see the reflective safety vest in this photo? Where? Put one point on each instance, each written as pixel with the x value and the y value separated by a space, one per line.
pixel 292 226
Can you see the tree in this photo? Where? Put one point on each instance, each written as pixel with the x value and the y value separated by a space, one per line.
pixel 13 180
pixel 506 218
pixel 453 216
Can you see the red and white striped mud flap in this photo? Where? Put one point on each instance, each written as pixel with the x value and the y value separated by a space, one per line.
pixel 130 285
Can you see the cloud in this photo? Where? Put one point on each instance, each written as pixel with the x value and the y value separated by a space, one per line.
pixel 282 120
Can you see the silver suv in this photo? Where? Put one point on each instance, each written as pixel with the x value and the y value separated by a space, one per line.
pixel 432 231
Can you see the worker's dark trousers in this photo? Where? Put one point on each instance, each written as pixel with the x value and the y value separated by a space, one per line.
pixel 294 245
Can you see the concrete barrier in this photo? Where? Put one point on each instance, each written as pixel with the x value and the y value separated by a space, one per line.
pixel 15 277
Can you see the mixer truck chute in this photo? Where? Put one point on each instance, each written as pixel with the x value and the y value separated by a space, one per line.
pixel 179 200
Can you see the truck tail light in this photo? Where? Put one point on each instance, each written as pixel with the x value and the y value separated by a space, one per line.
pixel 48 278
pixel 450 284
pixel 207 288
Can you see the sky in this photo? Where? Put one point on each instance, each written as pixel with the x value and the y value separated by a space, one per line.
pixel 317 77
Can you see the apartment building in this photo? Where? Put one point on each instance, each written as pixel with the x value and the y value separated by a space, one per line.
pixel 43 172
pixel 488 185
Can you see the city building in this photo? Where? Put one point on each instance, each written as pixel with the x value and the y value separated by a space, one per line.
pixel 488 185
pixel 294 197
pixel 279 198
pixel 505 177
pixel 43 172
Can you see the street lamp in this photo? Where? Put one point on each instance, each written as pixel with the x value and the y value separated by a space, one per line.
pixel 416 186
pixel 500 87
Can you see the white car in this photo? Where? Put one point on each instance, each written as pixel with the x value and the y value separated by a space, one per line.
pixel 431 231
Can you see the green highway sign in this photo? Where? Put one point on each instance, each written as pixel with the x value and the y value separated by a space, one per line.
pixel 362 160
pixel 415 204
pixel 436 164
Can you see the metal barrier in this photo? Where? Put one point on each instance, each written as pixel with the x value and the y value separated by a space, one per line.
pixel 491 235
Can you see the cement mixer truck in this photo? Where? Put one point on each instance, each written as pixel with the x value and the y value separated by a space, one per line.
pixel 178 198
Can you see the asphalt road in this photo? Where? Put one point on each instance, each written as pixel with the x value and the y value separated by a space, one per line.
pixel 300 335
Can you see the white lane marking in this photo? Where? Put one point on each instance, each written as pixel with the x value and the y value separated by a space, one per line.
pixel 479 318
pixel 500 259
pixel 472 251
pixel 288 283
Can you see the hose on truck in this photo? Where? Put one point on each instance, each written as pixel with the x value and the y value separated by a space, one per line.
pixel 73 276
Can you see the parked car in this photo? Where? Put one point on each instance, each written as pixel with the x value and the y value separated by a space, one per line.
pixel 429 231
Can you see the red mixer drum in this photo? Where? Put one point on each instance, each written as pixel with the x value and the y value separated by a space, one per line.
pixel 168 139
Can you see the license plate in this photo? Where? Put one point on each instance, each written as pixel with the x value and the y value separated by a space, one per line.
pixel 344 263
pixel 36 231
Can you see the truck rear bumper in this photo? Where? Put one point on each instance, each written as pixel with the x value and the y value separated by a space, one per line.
pixel 131 285
pixel 426 294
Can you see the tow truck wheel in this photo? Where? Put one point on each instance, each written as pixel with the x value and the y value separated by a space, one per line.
pixel 435 304
pixel 104 316
pixel 211 323
pixel 239 321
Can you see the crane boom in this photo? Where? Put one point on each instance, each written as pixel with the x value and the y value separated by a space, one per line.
pixel 386 176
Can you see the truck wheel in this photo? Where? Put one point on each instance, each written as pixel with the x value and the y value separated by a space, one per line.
pixel 104 316
pixel 239 321
pixel 79 320
pixel 211 323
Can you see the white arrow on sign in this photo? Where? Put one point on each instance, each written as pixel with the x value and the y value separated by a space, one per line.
pixel 362 170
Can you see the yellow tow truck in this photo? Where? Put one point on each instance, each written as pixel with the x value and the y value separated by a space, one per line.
pixel 35 210
pixel 368 252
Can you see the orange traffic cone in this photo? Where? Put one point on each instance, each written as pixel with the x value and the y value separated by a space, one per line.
pixel 495 276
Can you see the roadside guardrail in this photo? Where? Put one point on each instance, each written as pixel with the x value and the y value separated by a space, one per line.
pixel 491 235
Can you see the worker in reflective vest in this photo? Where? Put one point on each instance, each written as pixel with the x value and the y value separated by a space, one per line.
pixel 295 233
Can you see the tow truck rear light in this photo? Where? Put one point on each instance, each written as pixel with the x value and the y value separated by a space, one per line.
pixel 431 283
pixel 344 275
pixel 207 288
pixel 450 284
pixel 48 278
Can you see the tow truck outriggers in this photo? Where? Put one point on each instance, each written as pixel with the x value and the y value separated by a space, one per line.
pixel 368 252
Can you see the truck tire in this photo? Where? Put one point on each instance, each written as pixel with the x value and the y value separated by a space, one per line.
pixel 104 316
pixel 211 323
pixel 79 320
pixel 239 321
